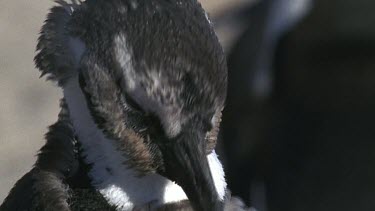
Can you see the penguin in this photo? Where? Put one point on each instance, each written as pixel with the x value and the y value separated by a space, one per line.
pixel 144 84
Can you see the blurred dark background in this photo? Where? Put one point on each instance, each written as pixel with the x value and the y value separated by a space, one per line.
pixel 297 131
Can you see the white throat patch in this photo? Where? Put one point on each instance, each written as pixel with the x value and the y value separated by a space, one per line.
pixel 119 185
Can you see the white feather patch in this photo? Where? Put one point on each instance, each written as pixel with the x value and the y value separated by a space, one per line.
pixel 218 174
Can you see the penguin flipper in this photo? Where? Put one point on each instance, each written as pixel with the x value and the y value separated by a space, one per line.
pixel 21 196
pixel 37 190
pixel 44 187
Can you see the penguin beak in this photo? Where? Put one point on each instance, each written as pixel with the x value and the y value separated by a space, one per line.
pixel 186 163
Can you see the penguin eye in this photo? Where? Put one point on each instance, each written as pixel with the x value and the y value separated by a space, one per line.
pixel 132 104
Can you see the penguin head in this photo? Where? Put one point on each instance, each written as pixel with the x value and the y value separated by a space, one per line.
pixel 155 79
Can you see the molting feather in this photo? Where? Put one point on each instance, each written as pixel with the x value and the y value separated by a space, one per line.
pixel 58 54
